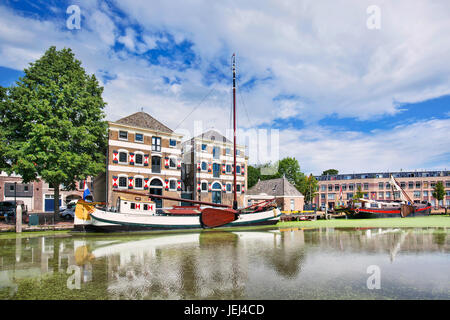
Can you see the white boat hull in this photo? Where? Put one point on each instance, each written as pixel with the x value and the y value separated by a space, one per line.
pixel 105 221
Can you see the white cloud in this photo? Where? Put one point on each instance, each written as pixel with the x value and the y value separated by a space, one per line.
pixel 319 54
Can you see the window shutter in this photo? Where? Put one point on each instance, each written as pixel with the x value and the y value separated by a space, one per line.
pixel 146 183
pixel 132 158
pixel 178 185
pixel 166 183
pixel 166 162
pixel 130 182
pixel 115 156
pixel 209 167
pixel 115 182
pixel 178 163
pixel 146 156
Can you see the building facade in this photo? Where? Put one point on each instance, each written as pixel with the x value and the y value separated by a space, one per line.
pixel 208 169
pixel 418 185
pixel 37 195
pixel 143 156
pixel 288 198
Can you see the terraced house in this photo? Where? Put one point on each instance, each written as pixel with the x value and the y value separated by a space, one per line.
pixel 143 155
pixel 208 168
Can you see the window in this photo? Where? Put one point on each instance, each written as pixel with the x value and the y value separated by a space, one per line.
pixel 204 186
pixel 366 186
pixel 123 135
pixel 172 142
pixel 425 193
pixel 322 196
pixel 380 195
pixel 173 184
pixel 138 183
pixel 123 157
pixel 447 184
pixel 216 170
pixel 238 152
pixel 132 205
pixel 139 158
pixel 25 188
pixel 123 182
pixel 292 204
pixel 344 187
pixel 203 166
pixel 156 164
pixel 388 185
pixel 227 151
pixel 416 194
pixel 156 144
pixel 410 185
pixel 425 184
pixel 323 187
pixel 418 184
pixel 228 168
pixel 229 187
pixel 238 169
pixel 216 152
pixel 380 185
pixel 351 187
pixel 331 196
pixel 238 188
pixel 203 147
pixel 172 163
pixel 336 187
pixel 330 187
pixel 403 185
pixel 139 137
pixel 349 195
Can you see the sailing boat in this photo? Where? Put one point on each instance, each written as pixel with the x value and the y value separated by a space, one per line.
pixel 137 211
pixel 405 207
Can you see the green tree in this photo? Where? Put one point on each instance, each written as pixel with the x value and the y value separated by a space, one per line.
pixel 308 186
pixel 330 172
pixel 438 192
pixel 290 168
pixel 358 194
pixel 253 175
pixel 53 122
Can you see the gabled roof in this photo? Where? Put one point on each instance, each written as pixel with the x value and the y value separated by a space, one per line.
pixel 144 120
pixel 274 187
pixel 214 136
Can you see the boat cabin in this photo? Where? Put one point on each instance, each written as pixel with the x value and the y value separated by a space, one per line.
pixel 133 206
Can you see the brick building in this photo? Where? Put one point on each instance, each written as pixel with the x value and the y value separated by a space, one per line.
pixel 418 185
pixel 208 168
pixel 144 156
pixel 288 198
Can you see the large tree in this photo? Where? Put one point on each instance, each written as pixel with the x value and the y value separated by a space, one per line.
pixel 438 192
pixel 308 186
pixel 53 123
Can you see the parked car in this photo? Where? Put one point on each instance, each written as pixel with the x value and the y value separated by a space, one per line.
pixel 69 211
pixel 8 210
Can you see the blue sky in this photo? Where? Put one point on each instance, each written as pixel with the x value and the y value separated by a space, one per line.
pixel 339 94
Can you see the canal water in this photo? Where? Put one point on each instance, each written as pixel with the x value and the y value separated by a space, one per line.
pixel 265 264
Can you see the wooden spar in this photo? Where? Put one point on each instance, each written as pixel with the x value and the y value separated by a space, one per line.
pixel 403 191
pixel 174 198
pixel 234 132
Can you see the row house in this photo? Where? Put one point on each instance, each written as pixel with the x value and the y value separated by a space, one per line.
pixel 208 169
pixel 143 156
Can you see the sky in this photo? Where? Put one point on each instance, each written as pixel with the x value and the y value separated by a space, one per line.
pixel 355 85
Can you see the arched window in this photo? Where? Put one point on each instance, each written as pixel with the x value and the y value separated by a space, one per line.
pixel 216 186
pixel 156 183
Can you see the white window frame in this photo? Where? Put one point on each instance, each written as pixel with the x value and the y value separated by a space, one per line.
pixel 172 179
pixel 207 186
pixel 138 177
pixel 118 135
pixel 160 144
pixel 142 154
pixel 175 160
pixel 118 156
pixel 118 181
pixel 143 137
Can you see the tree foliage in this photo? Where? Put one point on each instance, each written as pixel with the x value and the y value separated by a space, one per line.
pixel 330 172
pixel 439 191
pixel 53 122
pixel 358 194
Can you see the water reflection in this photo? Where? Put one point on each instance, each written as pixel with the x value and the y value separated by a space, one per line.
pixel 275 264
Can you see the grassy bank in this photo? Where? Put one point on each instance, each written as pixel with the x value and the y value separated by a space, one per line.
pixel 413 222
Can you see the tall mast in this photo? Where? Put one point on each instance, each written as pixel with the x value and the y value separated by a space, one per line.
pixel 234 131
